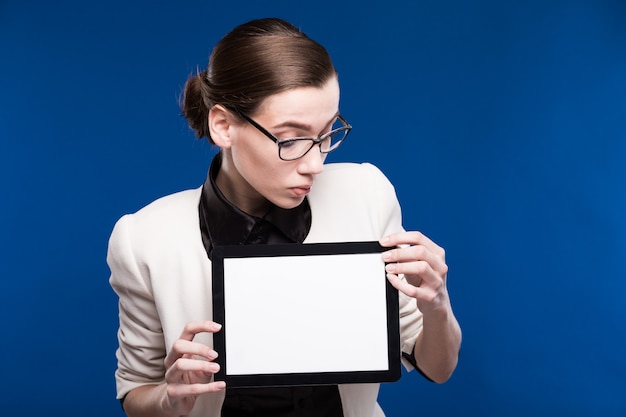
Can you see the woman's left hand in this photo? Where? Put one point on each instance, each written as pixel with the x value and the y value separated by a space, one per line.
pixel 423 264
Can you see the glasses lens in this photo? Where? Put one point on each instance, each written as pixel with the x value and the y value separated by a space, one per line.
pixel 291 149
pixel 294 148
pixel 331 142
pixel 337 134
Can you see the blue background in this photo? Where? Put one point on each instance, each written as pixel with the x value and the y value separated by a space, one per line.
pixel 502 125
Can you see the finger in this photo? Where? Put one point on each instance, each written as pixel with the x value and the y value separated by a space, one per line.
pixel 193 328
pixel 183 366
pixel 184 348
pixel 412 256
pixel 418 273
pixel 417 268
pixel 410 253
pixel 403 286
pixel 182 397
pixel 418 292
pixel 193 390
pixel 410 238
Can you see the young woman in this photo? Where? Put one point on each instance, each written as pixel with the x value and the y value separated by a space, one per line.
pixel 269 100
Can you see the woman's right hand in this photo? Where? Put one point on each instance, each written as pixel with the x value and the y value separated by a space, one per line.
pixel 189 370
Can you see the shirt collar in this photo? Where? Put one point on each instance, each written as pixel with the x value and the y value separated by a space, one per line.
pixel 222 223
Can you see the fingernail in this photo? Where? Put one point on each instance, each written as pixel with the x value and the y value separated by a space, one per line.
pixel 390 268
pixel 386 256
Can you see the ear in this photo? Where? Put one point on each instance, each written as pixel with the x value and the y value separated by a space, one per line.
pixel 220 126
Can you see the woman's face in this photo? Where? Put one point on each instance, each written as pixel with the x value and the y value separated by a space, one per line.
pixel 252 173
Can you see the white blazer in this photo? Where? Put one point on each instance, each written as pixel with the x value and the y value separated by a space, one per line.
pixel 162 276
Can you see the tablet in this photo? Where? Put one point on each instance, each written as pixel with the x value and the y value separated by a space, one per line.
pixel 304 314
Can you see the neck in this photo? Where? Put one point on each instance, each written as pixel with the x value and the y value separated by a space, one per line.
pixel 239 192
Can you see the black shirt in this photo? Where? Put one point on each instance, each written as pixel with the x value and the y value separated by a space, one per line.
pixel 221 223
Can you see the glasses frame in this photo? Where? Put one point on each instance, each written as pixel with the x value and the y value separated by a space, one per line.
pixel 282 142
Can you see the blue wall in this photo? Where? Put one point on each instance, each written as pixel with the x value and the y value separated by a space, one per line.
pixel 502 124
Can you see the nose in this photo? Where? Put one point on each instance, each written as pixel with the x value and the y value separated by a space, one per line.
pixel 312 162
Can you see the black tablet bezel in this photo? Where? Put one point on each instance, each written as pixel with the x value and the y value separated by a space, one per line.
pixel 220 253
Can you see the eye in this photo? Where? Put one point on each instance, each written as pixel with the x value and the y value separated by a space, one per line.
pixel 288 144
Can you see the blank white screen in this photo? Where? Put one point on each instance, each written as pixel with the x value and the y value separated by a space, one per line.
pixel 301 314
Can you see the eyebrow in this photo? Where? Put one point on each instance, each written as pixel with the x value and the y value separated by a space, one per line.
pixel 302 126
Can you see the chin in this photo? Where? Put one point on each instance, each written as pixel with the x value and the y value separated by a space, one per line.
pixel 288 204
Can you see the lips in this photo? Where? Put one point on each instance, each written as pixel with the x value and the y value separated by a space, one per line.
pixel 302 190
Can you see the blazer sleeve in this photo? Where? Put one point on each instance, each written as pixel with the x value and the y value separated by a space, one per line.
pixel 141 350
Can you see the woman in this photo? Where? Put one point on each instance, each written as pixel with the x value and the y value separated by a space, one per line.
pixel 266 84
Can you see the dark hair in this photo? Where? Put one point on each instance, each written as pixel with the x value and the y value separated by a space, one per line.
pixel 254 61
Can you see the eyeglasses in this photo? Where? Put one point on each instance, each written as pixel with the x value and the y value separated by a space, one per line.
pixel 295 148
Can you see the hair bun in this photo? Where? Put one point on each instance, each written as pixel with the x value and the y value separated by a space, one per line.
pixel 194 107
